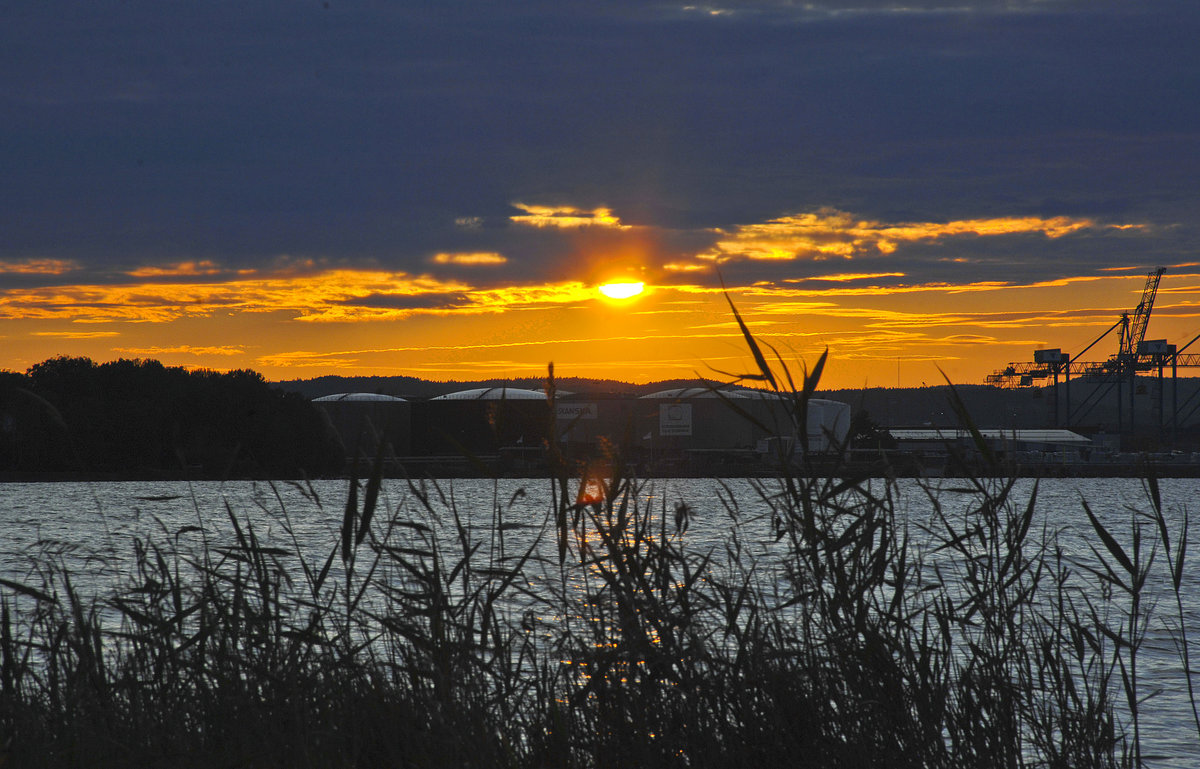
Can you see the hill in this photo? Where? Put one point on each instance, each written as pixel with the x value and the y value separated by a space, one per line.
pixel 414 388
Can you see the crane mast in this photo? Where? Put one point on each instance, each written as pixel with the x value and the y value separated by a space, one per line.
pixel 1133 331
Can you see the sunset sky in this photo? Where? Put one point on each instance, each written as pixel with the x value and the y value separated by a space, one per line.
pixel 439 189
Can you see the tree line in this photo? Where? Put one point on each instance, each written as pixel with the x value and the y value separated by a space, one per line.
pixel 140 418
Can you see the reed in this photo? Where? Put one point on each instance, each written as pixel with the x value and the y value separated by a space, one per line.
pixel 961 636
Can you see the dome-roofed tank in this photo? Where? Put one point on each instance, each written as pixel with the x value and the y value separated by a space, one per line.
pixel 481 421
pixel 493 394
pixel 359 398
pixel 695 392
pixel 362 420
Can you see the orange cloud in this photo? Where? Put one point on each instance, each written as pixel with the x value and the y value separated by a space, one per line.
pixel 77 334
pixel 778 292
pixel 307 296
pixel 948 288
pixel 467 301
pixel 452 328
pixel 566 217
pixel 486 259
pixel 847 277
pixel 333 296
pixel 830 233
pixel 181 350
pixel 532 296
pixel 181 269
pixel 297 358
pixel 38 267
pixel 331 361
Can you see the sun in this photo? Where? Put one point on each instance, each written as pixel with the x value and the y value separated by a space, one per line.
pixel 621 290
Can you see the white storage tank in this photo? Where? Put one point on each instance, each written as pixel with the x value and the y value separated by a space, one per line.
pixel 828 421
pixel 828 424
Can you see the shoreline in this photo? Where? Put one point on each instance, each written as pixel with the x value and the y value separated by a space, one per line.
pixel 490 467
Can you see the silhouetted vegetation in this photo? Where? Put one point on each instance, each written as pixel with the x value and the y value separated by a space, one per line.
pixel 135 417
pixel 866 433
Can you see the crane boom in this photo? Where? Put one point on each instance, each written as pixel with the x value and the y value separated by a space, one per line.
pixel 1134 332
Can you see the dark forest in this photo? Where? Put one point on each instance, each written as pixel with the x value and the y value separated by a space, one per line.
pixel 141 418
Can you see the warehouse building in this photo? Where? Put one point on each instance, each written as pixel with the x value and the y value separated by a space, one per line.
pixel 706 419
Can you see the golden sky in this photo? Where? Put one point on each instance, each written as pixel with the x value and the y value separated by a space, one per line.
pixel 840 283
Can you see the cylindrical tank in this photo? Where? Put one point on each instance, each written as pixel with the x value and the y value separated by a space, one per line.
pixel 480 421
pixel 362 420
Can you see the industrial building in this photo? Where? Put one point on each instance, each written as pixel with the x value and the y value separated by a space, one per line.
pixel 683 428
pixel 1022 448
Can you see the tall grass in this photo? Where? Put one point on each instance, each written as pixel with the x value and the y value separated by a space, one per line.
pixel 425 636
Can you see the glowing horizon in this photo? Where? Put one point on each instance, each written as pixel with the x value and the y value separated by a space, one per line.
pixel 471 315
pixel 683 331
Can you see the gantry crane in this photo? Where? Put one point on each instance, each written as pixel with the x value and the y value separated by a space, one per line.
pixel 1134 354
pixel 1051 363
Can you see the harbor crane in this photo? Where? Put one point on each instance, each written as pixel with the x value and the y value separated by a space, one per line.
pixel 1134 354
pixel 1133 332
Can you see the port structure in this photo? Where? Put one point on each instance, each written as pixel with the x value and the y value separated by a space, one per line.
pixel 1135 355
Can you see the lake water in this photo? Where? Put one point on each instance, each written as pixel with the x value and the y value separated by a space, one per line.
pixel 90 527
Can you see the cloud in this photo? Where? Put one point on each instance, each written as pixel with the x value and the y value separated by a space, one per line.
pixel 315 360
pixel 222 135
pixel 570 292
pixel 477 259
pixel 847 277
pixel 405 301
pixel 686 267
pixel 833 8
pixel 38 267
pixel 566 217
pixel 329 296
pixel 383 307
pixel 897 289
pixel 304 296
pixel 155 352
pixel 829 233
pixel 77 334
pixel 181 269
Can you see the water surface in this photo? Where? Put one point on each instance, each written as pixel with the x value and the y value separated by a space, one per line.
pixel 90 527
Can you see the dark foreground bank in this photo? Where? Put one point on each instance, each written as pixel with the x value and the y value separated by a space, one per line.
pixel 891 464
